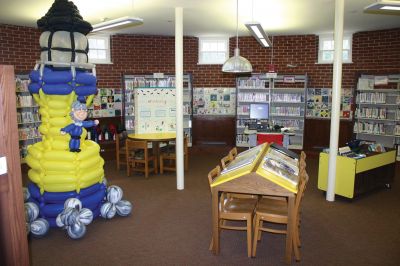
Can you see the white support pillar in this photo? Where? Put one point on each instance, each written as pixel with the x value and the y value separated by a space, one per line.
pixel 180 182
pixel 337 85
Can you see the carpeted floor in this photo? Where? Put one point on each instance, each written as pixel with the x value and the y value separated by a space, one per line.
pixel 171 227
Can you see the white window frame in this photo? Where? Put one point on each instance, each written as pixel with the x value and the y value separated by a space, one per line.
pixel 329 37
pixel 107 60
pixel 203 40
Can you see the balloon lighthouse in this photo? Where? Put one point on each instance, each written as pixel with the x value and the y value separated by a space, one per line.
pixel 63 84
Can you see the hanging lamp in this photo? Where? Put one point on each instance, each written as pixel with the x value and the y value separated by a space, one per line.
pixel 237 63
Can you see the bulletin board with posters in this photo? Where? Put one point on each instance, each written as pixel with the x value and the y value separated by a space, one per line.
pixel 155 110
pixel 106 103
pixel 214 101
pixel 319 103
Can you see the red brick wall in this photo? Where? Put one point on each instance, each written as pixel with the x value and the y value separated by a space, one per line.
pixel 375 52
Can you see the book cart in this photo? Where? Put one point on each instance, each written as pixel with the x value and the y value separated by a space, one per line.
pixel 246 174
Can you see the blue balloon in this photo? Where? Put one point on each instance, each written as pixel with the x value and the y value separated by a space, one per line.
pixel 85 90
pixel 57 77
pixel 34 87
pixel 57 89
pixel 85 78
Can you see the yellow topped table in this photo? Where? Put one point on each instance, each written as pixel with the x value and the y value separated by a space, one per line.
pixel 155 138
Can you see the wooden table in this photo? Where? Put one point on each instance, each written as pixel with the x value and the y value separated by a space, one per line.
pixel 253 183
pixel 155 139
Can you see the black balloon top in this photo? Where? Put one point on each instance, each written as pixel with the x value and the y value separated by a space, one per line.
pixel 64 15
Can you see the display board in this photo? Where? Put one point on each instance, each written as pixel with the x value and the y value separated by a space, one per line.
pixel 107 103
pixel 214 101
pixel 155 110
pixel 319 103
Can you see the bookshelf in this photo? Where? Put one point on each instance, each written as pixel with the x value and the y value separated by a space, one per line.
pixel 149 104
pixel 286 97
pixel 254 89
pixel 28 117
pixel 377 116
pixel 288 105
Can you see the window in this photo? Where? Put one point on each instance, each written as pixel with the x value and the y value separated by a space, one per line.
pixel 99 49
pixel 213 50
pixel 327 49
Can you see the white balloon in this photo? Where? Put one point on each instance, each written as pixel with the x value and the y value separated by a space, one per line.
pixel 85 216
pixel 108 210
pixel 76 230
pixel 31 211
pixel 26 194
pixel 114 194
pixel 123 207
pixel 40 227
pixel 73 203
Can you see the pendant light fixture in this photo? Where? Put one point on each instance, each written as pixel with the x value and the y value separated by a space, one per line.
pixel 237 63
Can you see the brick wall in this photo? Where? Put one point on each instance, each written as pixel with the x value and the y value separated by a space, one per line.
pixel 375 52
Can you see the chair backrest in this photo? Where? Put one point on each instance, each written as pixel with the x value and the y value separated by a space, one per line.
pixel 131 144
pixel 120 140
pixel 213 174
pixel 303 180
pixel 233 152
pixel 226 160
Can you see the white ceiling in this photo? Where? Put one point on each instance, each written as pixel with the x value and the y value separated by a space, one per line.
pixel 212 17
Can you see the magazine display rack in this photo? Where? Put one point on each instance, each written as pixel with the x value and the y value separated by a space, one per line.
pixel 356 176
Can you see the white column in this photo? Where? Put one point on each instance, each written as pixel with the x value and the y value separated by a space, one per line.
pixel 337 85
pixel 180 180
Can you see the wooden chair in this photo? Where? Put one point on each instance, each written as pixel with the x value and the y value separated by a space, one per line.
pixel 139 157
pixel 233 152
pixel 274 211
pixel 224 162
pixel 168 157
pixel 120 148
pixel 234 209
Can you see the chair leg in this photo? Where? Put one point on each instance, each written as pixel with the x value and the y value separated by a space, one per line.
pixel 118 163
pixel 249 235
pixel 146 169
pixel 161 165
pixel 296 249
pixel 257 233
pixel 211 244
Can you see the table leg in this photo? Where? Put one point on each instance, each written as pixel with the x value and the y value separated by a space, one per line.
pixel 290 230
pixel 156 148
pixel 215 213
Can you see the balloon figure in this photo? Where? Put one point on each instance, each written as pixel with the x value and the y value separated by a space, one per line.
pixel 78 114
pixel 64 166
pixel 37 226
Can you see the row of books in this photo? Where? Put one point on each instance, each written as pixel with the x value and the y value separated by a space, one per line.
pixel 25 101
pixel 28 133
pixel 371 128
pixel 21 84
pixel 287 97
pixel 371 97
pixel 253 83
pixel 28 117
pixel 376 113
pixel 152 83
pixel 292 123
pixel 252 97
pixel 286 111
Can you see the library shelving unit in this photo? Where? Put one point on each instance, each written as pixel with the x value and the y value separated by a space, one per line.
pixel 149 103
pixel 28 117
pixel 254 89
pixel 377 116
pixel 287 106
